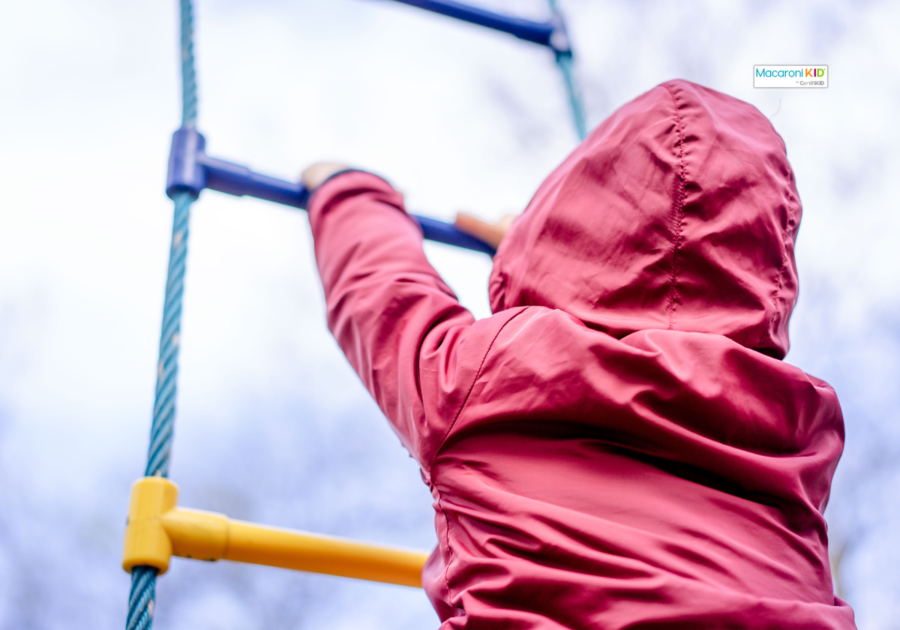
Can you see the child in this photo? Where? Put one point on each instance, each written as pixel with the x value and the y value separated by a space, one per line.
pixel 620 444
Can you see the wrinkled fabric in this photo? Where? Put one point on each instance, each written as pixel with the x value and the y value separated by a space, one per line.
pixel 619 445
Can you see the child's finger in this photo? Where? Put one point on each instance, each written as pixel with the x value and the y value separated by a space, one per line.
pixel 491 233
pixel 315 175
pixel 475 226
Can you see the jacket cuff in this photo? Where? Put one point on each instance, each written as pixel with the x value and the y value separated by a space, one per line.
pixel 320 196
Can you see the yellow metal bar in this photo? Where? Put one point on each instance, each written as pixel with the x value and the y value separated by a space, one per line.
pixel 157 530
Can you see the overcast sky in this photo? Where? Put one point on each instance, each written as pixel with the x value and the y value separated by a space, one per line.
pixel 273 426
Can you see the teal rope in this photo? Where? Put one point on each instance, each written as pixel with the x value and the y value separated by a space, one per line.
pixel 161 432
pixel 565 61
pixel 143 579
pixel 188 73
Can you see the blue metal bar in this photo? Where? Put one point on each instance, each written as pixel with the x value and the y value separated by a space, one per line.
pixel 191 170
pixel 238 180
pixel 440 232
pixel 551 34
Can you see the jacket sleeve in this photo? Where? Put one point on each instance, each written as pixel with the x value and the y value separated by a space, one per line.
pixel 415 348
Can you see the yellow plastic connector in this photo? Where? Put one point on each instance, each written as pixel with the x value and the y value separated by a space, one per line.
pixel 157 529
pixel 146 540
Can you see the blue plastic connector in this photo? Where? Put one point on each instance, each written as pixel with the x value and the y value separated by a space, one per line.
pixel 559 41
pixel 186 173
pixel 191 170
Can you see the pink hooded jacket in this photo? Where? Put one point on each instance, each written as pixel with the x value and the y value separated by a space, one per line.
pixel 620 444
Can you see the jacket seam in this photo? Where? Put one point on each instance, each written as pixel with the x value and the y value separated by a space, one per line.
pixel 678 219
pixel 440 497
pixel 446 571
pixel 471 387
pixel 779 286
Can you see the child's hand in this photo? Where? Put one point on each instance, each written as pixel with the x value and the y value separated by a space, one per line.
pixel 490 233
pixel 315 175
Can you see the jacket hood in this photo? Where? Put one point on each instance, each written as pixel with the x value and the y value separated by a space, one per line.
pixel 679 212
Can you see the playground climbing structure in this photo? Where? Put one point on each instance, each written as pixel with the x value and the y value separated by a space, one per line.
pixel 157 528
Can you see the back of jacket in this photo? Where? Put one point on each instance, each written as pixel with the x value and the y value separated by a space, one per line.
pixel 620 444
